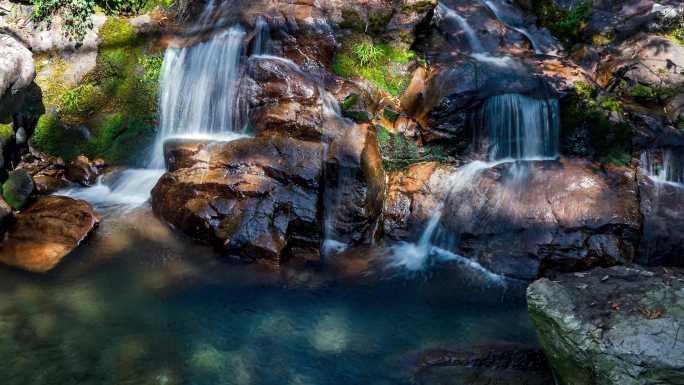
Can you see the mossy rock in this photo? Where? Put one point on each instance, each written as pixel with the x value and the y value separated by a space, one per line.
pixel 17 189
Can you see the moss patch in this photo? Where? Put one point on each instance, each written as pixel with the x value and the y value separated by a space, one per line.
pixel 379 63
pixel 399 152
pixel 112 113
pixel 585 119
pixel 6 132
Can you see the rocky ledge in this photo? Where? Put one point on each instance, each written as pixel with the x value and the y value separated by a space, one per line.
pixel 621 325
pixel 42 235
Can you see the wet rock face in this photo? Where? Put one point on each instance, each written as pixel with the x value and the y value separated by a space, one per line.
pixel 48 173
pixel 46 232
pixel 487 364
pixel 619 325
pixel 354 186
pixel 522 219
pixel 662 206
pixel 254 198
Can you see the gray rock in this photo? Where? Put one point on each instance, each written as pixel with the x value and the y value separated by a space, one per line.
pixel 17 69
pixel 621 325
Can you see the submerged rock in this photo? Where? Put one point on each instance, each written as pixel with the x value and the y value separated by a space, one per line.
pixel 484 365
pixel 620 325
pixel 46 232
pixel 255 198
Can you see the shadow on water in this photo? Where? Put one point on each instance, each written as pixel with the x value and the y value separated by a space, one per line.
pixel 138 304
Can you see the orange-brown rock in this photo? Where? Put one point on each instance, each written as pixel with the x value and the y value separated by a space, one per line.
pixel 46 232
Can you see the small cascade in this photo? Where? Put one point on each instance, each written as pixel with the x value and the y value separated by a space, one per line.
pixel 262 37
pixel 521 127
pixel 415 257
pixel 664 166
pixel 199 91
pixel 444 12
pixel 510 23
pixel 129 188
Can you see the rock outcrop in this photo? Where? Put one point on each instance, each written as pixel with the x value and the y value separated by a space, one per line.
pixel 620 325
pixel 46 232
pixel 519 219
pixel 258 199
pixel 18 188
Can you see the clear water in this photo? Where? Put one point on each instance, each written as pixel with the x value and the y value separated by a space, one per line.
pixel 138 304
pixel 664 166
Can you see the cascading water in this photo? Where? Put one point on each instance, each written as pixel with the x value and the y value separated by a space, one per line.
pixel 521 127
pixel 510 23
pixel 518 128
pixel 664 166
pixel 262 37
pixel 199 91
pixel 444 12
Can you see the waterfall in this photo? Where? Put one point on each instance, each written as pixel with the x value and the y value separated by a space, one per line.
pixel 664 166
pixel 414 257
pixel 510 24
pixel 199 90
pixel 521 128
pixel 445 12
pixel 262 37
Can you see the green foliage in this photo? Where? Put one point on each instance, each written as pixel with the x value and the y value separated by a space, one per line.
pixel 151 66
pixel 606 141
pixel 382 64
pixel 367 53
pixel 643 92
pixel 75 13
pixel 399 152
pixel 566 26
pixel 55 139
pixel 6 132
pixel 680 124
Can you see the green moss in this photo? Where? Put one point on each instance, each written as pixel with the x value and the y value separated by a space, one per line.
pixel 643 92
pixel 378 20
pixel 419 7
pixel 350 101
pixel 6 132
pixel 601 40
pixel 399 152
pixel 352 20
pixel 118 32
pixel 390 115
pixel 116 102
pixel 680 124
pixel 566 26
pixel 379 63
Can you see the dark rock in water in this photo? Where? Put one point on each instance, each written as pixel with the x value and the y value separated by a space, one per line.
pixel 18 189
pixel 662 207
pixel 486 365
pixel 46 232
pixel 620 325
pixel 520 219
pixel 254 198
pixel 82 171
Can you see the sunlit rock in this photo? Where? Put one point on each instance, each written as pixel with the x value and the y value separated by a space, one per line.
pixel 46 232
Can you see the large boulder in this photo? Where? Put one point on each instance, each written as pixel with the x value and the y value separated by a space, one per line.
pixel 17 69
pixel 520 219
pixel 257 199
pixel 620 325
pixel 46 232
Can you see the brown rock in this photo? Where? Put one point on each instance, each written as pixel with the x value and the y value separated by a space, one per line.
pixel 81 170
pixel 46 232
pixel 255 198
